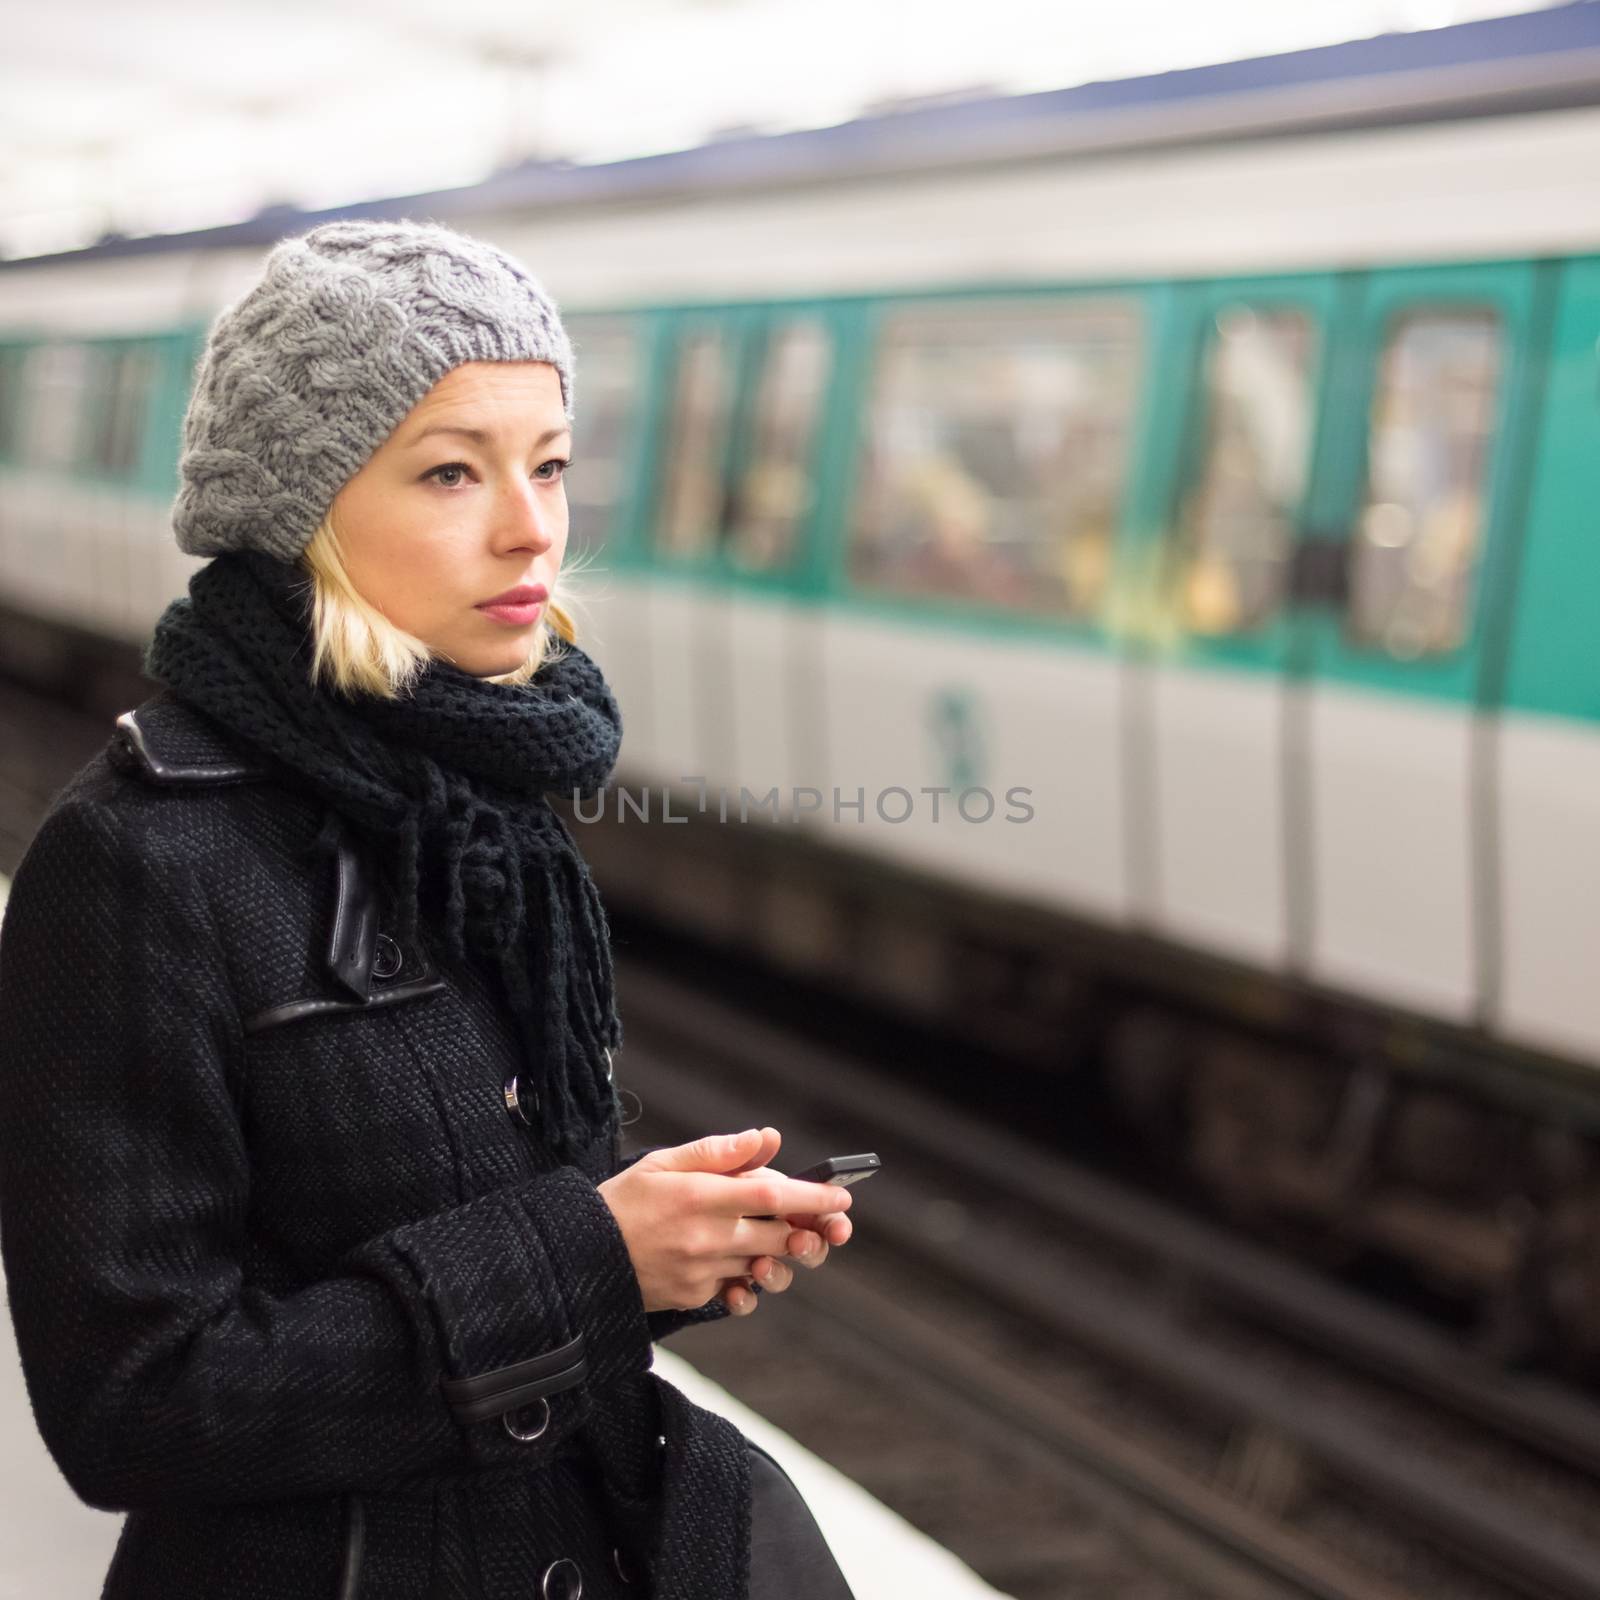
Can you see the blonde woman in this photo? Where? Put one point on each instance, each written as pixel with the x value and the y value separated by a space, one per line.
pixel 323 1262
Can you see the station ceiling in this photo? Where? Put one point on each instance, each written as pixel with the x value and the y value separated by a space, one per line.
pixel 154 116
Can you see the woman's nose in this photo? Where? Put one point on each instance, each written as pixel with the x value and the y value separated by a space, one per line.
pixel 529 517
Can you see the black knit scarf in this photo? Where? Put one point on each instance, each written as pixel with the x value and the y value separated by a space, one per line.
pixel 448 784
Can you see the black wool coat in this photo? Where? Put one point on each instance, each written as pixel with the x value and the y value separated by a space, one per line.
pixel 288 1275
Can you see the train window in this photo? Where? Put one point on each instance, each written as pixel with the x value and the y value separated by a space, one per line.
pixel 1237 516
pixel 124 377
pixel 1416 546
pixel 696 442
pixel 997 449
pixel 57 388
pixel 778 483
pixel 607 361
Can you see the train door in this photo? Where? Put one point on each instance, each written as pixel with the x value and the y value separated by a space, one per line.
pixel 1404 579
pixel 1255 360
pixel 1548 734
pixel 765 689
pixel 123 519
pixel 612 354
pixel 735 497
pixel 694 380
pixel 974 701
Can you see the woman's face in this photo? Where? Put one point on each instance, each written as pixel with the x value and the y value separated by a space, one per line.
pixel 463 501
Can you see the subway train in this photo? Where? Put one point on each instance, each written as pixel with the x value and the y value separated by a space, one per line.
pixel 1110 572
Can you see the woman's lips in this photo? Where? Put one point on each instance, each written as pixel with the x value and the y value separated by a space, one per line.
pixel 519 615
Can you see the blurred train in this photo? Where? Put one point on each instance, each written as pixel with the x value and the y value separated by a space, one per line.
pixel 1188 484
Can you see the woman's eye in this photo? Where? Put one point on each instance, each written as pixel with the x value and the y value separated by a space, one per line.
pixel 546 472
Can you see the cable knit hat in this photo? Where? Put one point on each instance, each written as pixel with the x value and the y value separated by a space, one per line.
pixel 308 374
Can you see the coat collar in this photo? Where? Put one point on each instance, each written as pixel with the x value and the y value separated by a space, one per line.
pixel 168 743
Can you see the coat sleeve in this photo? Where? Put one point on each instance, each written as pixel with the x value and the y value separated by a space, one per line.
pixel 663 1324
pixel 158 1373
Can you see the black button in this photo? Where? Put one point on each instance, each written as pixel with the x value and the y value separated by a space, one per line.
pixel 522 1106
pixel 386 960
pixel 625 1568
pixel 561 1581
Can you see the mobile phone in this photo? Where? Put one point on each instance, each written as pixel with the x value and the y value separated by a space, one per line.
pixel 836 1169
pixel 840 1169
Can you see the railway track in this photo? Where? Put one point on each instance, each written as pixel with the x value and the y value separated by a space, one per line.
pixel 1253 1427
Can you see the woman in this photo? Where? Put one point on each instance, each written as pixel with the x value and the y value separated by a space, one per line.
pixel 322 1259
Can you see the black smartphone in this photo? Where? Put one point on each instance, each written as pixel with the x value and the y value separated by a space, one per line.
pixel 840 1169
pixel 836 1169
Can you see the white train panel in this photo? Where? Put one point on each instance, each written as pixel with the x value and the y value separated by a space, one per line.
pixel 1314 201
pixel 95 559
pixel 1218 804
pixel 767 672
pixel 615 629
pixel 680 621
pixel 1345 198
pixel 37 515
pixel 1391 858
pixel 944 712
pixel 1549 777
pixel 120 295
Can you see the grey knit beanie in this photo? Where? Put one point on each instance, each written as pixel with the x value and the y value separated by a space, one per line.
pixel 308 374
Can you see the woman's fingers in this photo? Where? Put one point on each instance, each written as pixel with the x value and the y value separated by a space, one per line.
pixel 767 1194
pixel 773 1277
pixel 771 1274
pixel 770 1140
pixel 807 1241
pixel 752 1238
pixel 817 1233
pixel 834 1225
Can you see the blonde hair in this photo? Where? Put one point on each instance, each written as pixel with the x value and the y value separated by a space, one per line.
pixel 356 649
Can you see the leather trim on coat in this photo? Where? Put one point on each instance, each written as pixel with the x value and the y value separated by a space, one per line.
pixel 142 744
pixel 354 944
pixel 502 1378
pixel 136 743
pixel 355 1539
pixel 355 925
pixel 490 1394
pixel 496 1405
pixel 296 1010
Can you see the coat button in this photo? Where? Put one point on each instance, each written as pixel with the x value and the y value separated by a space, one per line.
pixel 527 1434
pixel 625 1568
pixel 562 1581
pixel 386 959
pixel 518 1104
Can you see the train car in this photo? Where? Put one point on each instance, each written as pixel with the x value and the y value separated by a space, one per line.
pixel 1108 571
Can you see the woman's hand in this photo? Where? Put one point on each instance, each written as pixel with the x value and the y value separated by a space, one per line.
pixel 808 1243
pixel 691 1216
